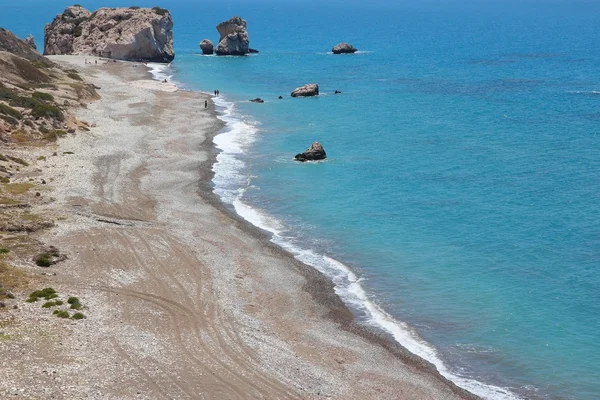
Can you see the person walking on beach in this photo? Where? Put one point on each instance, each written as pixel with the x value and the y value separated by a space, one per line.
pixel 205 103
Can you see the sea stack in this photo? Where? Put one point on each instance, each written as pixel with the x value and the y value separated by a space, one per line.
pixel 312 89
pixel 344 48
pixel 134 33
pixel 207 47
pixel 234 39
pixel 314 153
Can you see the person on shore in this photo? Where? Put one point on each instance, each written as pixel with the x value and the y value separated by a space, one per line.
pixel 205 103
pixel 218 93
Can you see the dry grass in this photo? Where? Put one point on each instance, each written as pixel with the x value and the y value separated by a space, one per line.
pixel 13 279
pixel 16 188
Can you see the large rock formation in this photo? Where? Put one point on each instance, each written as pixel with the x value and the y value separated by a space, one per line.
pixel 312 89
pixel 313 153
pixel 234 39
pixel 207 47
pixel 121 33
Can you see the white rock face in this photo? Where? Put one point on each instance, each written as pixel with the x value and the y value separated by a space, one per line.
pixel 234 39
pixel 119 33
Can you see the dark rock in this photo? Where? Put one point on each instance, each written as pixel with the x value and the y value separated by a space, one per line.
pixel 343 48
pixel 312 89
pixel 207 47
pixel 337 92
pixel 280 97
pixel 253 51
pixel 257 100
pixel 313 153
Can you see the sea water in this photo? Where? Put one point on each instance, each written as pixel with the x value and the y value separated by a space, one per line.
pixel 458 209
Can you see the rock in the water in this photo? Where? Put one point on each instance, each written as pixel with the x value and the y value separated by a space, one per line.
pixel 312 89
pixel 207 47
pixel 30 41
pixel 141 34
pixel 313 153
pixel 344 48
pixel 234 39
pixel 257 100
pixel 280 97
pixel 253 51
pixel 337 92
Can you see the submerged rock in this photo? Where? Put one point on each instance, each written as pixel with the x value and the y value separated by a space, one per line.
pixel 234 39
pixel 312 89
pixel 121 33
pixel 344 48
pixel 313 153
pixel 337 92
pixel 257 100
pixel 207 47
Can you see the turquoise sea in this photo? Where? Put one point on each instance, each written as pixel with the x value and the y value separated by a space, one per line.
pixel 459 207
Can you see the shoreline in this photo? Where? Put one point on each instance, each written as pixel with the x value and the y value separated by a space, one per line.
pixel 184 298
pixel 318 284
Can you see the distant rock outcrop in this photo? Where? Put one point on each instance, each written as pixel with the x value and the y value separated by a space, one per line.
pixel 31 42
pixel 344 48
pixel 121 33
pixel 313 153
pixel 234 39
pixel 207 47
pixel 312 89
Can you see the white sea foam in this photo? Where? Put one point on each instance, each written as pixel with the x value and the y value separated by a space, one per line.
pixel 231 182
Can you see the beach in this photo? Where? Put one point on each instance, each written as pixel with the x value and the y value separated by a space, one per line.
pixel 183 299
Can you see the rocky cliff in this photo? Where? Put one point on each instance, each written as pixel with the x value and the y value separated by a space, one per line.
pixel 234 39
pixel 121 33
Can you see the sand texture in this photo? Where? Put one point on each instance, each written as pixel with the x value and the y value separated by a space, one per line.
pixel 183 300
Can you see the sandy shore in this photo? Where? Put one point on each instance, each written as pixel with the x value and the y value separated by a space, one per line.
pixel 183 300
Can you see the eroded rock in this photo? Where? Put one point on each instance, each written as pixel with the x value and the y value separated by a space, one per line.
pixel 120 33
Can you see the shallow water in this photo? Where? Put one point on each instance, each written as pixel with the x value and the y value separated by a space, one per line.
pixel 460 193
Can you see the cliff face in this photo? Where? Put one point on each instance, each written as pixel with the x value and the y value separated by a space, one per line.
pixel 120 33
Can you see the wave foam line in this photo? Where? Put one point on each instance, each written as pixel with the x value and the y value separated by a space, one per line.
pixel 230 185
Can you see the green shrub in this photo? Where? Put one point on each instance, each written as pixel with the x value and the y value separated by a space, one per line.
pixel 72 300
pixel 74 76
pixel 9 119
pixel 134 8
pixel 8 110
pixel 160 11
pixel 42 96
pixel 78 315
pixel 47 110
pixel 4 250
pixel 55 303
pixel 47 293
pixel 43 260
pixel 61 314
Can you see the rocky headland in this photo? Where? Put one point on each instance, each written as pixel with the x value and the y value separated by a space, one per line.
pixel 134 33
